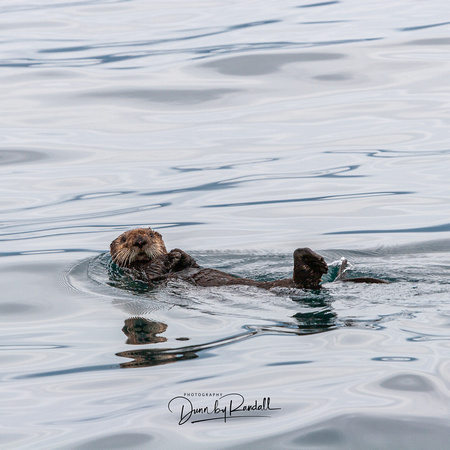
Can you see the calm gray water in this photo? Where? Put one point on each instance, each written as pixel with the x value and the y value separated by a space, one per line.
pixel 240 131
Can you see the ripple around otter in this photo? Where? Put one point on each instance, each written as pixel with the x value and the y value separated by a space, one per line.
pixel 101 277
pixel 338 304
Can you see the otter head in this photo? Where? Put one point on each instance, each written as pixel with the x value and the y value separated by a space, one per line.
pixel 138 245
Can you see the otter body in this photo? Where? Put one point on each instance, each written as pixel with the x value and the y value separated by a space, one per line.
pixel 143 251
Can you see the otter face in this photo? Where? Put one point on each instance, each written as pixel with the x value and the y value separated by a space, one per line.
pixel 138 245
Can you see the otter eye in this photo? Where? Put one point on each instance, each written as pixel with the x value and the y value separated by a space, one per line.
pixel 123 239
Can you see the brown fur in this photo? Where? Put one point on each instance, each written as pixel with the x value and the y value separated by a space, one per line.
pixel 143 250
pixel 140 244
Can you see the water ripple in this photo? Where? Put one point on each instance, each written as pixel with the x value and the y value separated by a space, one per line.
pixel 173 96
pixel 429 229
pixel 384 153
pixel 15 156
pixel 314 5
pixel 312 199
pixel 263 64
pixel 424 27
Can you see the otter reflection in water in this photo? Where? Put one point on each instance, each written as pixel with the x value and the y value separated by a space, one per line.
pixel 141 331
pixel 143 251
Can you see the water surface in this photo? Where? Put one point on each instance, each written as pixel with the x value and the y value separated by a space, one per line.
pixel 240 131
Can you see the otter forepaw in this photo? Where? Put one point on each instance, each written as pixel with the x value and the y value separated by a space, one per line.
pixel 179 260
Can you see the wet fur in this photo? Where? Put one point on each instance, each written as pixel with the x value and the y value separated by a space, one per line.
pixel 143 251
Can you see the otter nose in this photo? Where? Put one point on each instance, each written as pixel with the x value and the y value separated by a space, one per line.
pixel 140 242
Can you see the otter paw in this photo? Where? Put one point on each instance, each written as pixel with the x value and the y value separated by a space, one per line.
pixel 173 260
pixel 180 260
pixel 313 260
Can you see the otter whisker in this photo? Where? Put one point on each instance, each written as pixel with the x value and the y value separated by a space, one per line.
pixel 115 257
pixel 128 259
pixel 120 257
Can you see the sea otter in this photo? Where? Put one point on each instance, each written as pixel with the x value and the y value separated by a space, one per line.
pixel 143 251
